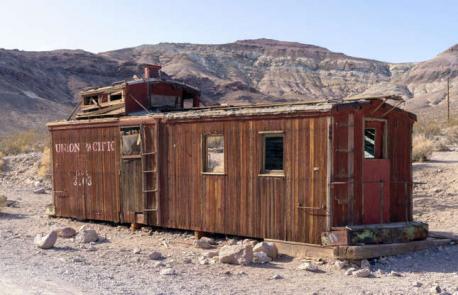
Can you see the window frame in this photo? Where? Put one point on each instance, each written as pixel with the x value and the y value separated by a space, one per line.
pixel 204 153
pixel 263 170
pixel 384 137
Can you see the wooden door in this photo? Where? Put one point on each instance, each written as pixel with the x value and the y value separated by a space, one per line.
pixel 131 175
pixel 376 173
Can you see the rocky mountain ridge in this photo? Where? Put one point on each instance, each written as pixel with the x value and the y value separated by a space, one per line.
pixel 36 87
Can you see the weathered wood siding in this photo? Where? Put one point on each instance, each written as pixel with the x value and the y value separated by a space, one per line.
pixel 243 202
pixel 347 172
pixel 85 172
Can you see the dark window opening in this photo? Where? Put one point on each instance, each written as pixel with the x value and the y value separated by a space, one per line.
pixel 369 143
pixel 117 96
pixel 213 154
pixel 89 100
pixel 273 153
pixel 131 141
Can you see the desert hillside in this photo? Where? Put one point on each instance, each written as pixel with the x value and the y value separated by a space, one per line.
pixel 36 87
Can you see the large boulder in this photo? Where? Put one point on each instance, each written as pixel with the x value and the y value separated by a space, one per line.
pixel 86 235
pixel 46 241
pixel 236 254
pixel 269 248
pixel 66 232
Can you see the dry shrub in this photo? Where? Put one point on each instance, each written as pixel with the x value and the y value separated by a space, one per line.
pixel 23 142
pixel 2 162
pixel 422 148
pixel 429 129
pixel 44 170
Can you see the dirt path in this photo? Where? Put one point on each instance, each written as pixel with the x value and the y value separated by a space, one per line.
pixel 111 267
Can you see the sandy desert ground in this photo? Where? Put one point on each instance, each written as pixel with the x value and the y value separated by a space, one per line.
pixel 112 267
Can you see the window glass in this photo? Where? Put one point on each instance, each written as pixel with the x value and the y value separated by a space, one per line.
pixel 273 153
pixel 369 143
pixel 214 153
pixel 131 141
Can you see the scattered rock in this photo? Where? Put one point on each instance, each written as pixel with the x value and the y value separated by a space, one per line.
pixel 261 257
pixel 417 284
pixel 205 243
pixel 269 248
pixel 436 289
pixel 203 260
pixel 362 273
pixel 250 242
pixel 47 241
pixel 168 272
pixel 350 271
pixel 40 190
pixel 365 264
pixel 395 274
pixel 231 242
pixel 137 251
pixel 159 264
pixel 66 232
pixel 86 235
pixel 308 267
pixel 155 255
pixel 341 264
pixel 211 254
pixel 187 260
pixel 276 277
pixel 236 254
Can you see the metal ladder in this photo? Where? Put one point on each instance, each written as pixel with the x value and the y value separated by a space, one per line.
pixel 150 175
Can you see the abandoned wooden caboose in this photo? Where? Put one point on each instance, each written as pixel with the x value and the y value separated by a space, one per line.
pixel 324 173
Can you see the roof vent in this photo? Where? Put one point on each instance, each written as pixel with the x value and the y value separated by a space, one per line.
pixel 152 71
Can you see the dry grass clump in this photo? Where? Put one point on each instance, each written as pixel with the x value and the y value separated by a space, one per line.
pixel 23 142
pixel 2 162
pixel 44 169
pixel 422 148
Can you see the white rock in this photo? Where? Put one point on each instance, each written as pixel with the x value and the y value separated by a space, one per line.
pixel 308 267
pixel 203 260
pixel 168 272
pixel 269 248
pixel 340 264
pixel 137 251
pixel 40 190
pixel 362 273
pixel 261 257
pixel 277 277
pixel 155 255
pixel 236 254
pixel 250 242
pixel 66 232
pixel 231 242
pixel 87 235
pixel 205 243
pixel 350 271
pixel 47 241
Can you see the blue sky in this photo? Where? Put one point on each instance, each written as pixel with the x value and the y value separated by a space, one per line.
pixel 394 31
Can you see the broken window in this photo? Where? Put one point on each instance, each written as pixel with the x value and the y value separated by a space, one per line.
pixel 272 153
pixel 369 143
pixel 213 146
pixel 131 141
pixel 90 100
